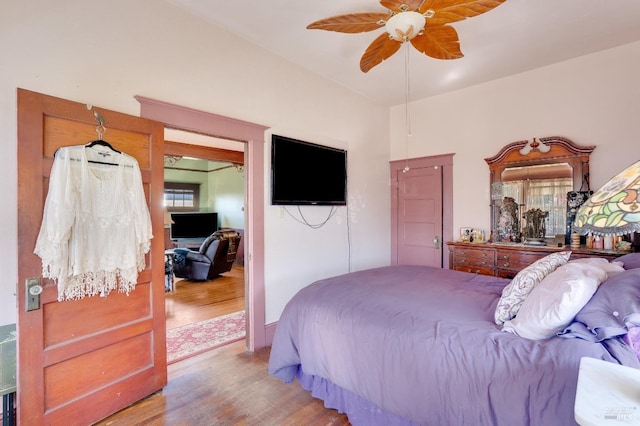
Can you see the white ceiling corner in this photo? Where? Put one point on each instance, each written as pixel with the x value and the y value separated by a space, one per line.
pixel 515 37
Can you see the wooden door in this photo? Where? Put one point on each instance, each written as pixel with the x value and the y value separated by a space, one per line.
pixel 419 216
pixel 80 361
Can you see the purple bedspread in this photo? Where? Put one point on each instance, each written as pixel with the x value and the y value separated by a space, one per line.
pixel 420 343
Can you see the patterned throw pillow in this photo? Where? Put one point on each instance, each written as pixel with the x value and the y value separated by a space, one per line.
pixel 555 301
pixel 519 288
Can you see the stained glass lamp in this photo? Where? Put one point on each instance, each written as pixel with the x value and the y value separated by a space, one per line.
pixel 615 208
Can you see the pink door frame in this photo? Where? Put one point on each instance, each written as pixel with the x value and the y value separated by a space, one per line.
pixel 444 161
pixel 183 118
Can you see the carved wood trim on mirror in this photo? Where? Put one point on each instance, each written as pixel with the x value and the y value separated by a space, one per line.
pixel 515 158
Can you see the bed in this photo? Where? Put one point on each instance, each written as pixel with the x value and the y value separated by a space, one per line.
pixel 402 345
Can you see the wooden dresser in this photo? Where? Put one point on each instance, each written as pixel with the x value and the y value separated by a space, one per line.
pixel 506 260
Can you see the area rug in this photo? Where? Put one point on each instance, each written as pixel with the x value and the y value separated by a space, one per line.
pixel 192 339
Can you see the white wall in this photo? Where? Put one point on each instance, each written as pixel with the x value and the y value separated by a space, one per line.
pixel 592 100
pixel 226 192
pixel 104 53
pixel 188 176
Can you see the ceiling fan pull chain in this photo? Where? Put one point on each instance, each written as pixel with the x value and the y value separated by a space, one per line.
pixel 407 89
pixel 407 111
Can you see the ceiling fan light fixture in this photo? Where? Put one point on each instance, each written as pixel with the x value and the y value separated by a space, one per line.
pixel 404 26
pixel 406 21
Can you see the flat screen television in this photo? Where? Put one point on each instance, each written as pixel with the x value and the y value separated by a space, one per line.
pixel 193 225
pixel 304 173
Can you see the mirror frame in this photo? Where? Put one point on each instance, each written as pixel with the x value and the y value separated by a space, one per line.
pixel 547 150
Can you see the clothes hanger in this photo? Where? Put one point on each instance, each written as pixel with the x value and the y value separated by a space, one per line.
pixel 100 130
pixel 102 143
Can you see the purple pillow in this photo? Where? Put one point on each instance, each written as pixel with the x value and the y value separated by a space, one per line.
pixel 630 261
pixel 632 339
pixel 614 308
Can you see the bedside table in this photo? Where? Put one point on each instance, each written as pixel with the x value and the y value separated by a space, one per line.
pixel 607 393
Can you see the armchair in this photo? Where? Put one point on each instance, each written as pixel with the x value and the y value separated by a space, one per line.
pixel 214 257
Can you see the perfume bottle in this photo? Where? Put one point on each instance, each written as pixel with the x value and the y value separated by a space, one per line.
pixel 598 243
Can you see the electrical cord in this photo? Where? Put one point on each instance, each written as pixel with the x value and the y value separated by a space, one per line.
pixel 304 221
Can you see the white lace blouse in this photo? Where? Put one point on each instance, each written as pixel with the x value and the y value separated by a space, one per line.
pixel 96 227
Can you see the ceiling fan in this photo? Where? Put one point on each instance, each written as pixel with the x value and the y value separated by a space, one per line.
pixel 422 22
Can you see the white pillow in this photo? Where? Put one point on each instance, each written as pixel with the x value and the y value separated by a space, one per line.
pixel 517 290
pixel 600 261
pixel 557 299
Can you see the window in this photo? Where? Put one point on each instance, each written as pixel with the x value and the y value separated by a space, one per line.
pixel 181 196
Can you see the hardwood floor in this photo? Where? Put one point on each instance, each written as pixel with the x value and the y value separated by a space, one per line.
pixel 194 301
pixel 227 386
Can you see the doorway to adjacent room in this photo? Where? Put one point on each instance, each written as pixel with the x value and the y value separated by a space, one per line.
pixel 252 135
pixel 215 167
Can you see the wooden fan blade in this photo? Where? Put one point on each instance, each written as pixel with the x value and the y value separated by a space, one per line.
pixel 351 23
pixel 381 48
pixel 394 5
pixel 447 11
pixel 439 42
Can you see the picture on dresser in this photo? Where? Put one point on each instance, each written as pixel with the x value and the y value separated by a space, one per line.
pixel 471 235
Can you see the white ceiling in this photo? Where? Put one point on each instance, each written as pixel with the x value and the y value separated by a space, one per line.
pixel 515 37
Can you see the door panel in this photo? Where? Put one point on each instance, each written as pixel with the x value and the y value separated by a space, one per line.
pixel 419 209
pixel 419 215
pixel 88 373
pixel 105 315
pixel 80 361
pixel 416 233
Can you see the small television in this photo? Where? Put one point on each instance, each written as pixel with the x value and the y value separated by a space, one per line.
pixel 193 225
pixel 304 173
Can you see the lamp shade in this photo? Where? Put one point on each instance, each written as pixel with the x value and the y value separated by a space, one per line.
pixel 404 26
pixel 614 209
pixel 167 217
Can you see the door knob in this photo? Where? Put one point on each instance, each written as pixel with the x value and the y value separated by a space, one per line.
pixel 33 294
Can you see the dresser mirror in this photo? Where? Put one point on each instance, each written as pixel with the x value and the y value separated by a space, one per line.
pixel 533 184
